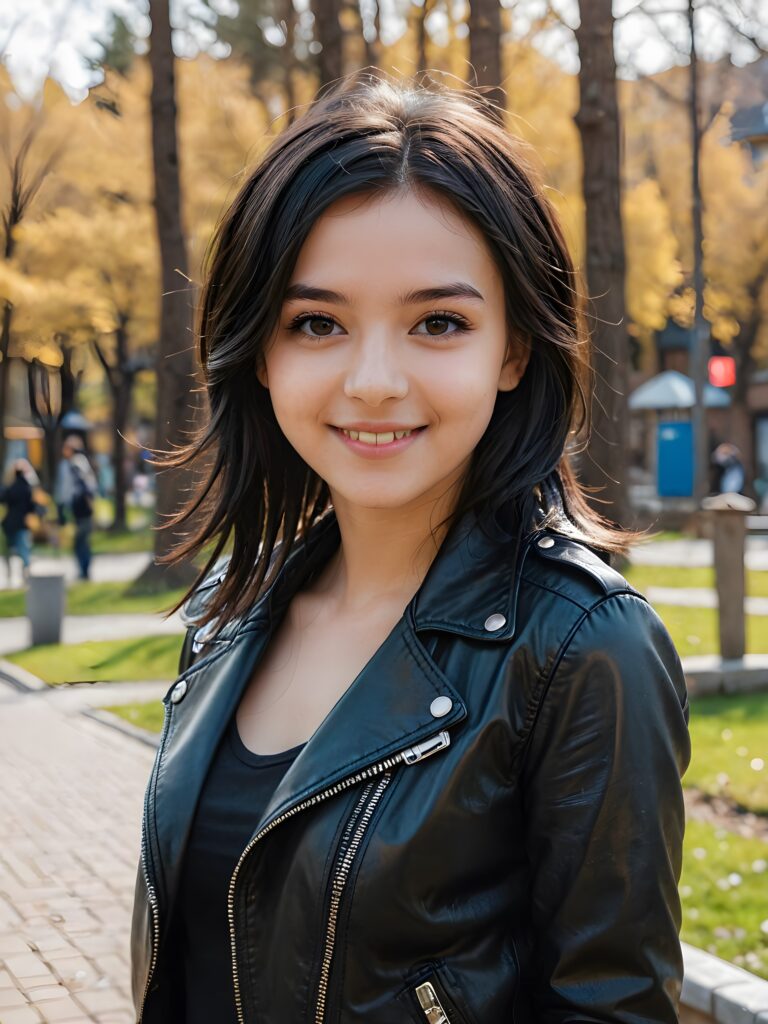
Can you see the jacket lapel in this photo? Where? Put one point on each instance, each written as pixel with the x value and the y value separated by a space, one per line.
pixel 385 709
pixel 213 687
pixel 197 723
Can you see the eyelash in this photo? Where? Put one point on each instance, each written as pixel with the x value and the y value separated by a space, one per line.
pixel 463 325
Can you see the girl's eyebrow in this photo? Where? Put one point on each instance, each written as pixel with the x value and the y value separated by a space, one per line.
pixel 457 290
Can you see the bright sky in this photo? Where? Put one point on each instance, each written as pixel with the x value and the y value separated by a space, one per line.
pixel 61 36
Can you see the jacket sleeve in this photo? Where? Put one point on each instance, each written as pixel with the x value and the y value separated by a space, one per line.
pixel 605 819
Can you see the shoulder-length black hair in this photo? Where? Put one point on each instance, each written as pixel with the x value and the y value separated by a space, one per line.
pixel 371 134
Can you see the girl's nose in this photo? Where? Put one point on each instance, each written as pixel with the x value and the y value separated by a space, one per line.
pixel 375 373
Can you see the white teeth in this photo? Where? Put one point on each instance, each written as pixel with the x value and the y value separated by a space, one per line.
pixel 370 438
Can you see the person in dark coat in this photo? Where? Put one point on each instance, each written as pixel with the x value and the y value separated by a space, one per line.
pixel 19 502
pixel 76 488
pixel 729 469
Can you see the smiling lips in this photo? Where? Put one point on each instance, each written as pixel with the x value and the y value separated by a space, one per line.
pixel 390 440
pixel 370 438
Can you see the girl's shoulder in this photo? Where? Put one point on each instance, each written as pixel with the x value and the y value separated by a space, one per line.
pixel 561 582
pixel 573 567
pixel 572 600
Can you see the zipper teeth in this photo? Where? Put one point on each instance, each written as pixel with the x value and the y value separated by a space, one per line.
pixel 380 766
pixel 339 882
pixel 153 903
pixel 151 891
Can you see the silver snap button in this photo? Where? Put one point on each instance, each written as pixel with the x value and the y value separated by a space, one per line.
pixel 494 622
pixel 440 706
pixel 547 542
pixel 178 691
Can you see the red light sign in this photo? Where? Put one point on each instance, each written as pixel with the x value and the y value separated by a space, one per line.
pixel 722 371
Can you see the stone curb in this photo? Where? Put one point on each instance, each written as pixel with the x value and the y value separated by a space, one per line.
pixel 113 721
pixel 19 678
pixel 709 673
pixel 721 992
pixel 26 682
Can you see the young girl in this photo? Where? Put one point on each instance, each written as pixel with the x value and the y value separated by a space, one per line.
pixel 422 762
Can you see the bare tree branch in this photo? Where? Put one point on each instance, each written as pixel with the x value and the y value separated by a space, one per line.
pixel 107 367
pixel 736 24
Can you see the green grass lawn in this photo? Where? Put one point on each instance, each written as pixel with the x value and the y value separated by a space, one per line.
pixel 121 542
pixel 644 576
pixel 147 716
pixel 671 535
pixel 103 542
pixel 136 658
pixel 694 630
pixel 87 598
pixel 722 889
pixel 729 743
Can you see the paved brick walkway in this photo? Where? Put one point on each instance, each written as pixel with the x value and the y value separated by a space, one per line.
pixel 70 806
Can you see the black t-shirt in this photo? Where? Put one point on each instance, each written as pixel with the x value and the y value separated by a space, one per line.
pixel 236 791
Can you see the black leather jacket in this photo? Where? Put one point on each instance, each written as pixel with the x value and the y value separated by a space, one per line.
pixel 486 828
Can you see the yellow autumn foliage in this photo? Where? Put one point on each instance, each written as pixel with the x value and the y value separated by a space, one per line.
pixel 86 255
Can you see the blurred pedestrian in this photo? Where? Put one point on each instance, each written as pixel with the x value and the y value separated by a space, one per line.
pixel 20 504
pixel 729 468
pixel 76 488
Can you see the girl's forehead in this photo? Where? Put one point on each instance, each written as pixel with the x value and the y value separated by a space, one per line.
pixel 400 238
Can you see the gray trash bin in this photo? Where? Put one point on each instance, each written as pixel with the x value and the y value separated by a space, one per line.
pixel 46 597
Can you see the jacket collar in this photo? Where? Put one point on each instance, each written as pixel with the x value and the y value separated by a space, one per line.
pixel 472 583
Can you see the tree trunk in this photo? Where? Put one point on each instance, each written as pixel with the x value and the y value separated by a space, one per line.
pixel 372 46
pixel 377 23
pixel 604 465
pixel 420 13
pixel 485 49
pixel 121 397
pixel 177 409
pixel 743 352
pixel 121 413
pixel 329 34
pixel 120 378
pixel 12 219
pixel 5 345
pixel 23 186
pixel 290 65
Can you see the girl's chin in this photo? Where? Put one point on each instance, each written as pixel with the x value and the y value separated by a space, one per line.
pixel 375 498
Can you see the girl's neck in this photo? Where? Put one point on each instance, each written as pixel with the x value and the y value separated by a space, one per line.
pixel 384 554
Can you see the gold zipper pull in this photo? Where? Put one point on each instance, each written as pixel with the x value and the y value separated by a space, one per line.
pixel 430 1004
pixel 421 750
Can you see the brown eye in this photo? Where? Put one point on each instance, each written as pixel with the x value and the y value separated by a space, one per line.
pixel 459 324
pixel 326 326
pixel 436 320
pixel 322 326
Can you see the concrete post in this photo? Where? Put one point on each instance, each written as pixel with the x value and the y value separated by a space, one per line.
pixel 46 596
pixel 729 513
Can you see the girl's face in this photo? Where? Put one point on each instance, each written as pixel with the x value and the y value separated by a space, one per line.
pixel 394 321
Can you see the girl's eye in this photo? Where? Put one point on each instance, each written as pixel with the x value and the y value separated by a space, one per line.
pixel 327 322
pixel 456 319
pixel 298 322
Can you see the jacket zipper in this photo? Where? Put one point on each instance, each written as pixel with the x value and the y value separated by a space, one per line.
pixel 154 903
pixel 409 755
pixel 341 874
pixel 430 1004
